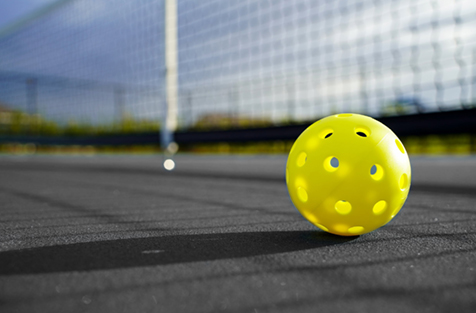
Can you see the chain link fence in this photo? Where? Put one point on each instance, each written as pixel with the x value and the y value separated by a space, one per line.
pixel 240 63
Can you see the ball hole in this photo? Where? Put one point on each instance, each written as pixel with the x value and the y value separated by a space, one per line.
pixel 379 207
pixel 334 162
pixel 326 133
pixel 356 230
pixel 302 194
pixel 376 172
pixel 403 182
pixel 362 132
pixel 301 159
pixel 343 207
pixel 331 164
pixel 400 146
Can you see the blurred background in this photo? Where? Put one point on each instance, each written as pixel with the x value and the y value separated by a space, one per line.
pixel 92 76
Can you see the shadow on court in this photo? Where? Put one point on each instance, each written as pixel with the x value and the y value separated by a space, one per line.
pixel 137 252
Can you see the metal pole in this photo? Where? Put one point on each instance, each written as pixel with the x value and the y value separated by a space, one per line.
pixel 169 124
pixel 171 66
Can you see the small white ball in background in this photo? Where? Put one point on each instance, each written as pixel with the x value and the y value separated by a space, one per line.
pixel 169 164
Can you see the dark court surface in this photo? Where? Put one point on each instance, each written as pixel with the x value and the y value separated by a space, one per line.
pixel 219 234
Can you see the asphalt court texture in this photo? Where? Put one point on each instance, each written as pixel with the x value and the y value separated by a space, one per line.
pixel 220 234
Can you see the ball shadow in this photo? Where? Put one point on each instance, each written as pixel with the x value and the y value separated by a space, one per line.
pixel 150 251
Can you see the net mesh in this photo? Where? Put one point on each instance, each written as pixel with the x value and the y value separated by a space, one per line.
pixel 250 62
pixel 87 61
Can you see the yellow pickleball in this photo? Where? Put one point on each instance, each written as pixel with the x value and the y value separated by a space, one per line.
pixel 348 174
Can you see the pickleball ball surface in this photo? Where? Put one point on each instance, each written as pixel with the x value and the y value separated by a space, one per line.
pixel 348 174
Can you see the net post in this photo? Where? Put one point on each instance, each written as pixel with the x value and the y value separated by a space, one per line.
pixel 171 60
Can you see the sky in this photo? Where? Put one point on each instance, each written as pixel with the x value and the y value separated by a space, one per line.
pixel 275 60
pixel 11 11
